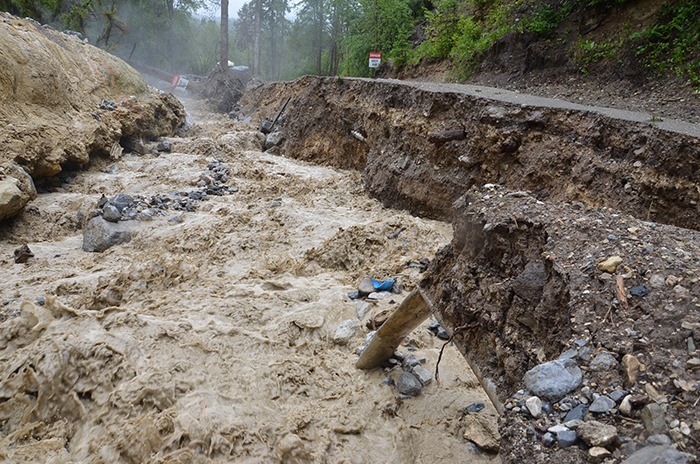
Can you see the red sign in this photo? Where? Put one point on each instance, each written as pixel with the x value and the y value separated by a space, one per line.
pixel 375 58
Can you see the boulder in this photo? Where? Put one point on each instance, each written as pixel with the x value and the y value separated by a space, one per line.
pixel 657 455
pixel 554 379
pixel 100 235
pixel 16 190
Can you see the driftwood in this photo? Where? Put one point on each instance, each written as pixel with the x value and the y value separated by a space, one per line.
pixel 411 312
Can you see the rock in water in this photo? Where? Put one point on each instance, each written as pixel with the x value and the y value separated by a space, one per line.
pixel 100 235
pixel 111 213
pixel 22 254
pixel 16 190
pixel 366 287
pixel 657 455
pixel 344 332
pixel 554 379
pixel 483 431
pixel 408 384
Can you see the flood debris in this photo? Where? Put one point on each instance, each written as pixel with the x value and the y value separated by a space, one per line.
pixel 412 311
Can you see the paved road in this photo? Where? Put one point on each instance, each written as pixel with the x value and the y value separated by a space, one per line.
pixel 508 96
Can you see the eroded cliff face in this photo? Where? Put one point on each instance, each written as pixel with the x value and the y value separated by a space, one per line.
pixel 422 146
pixel 63 101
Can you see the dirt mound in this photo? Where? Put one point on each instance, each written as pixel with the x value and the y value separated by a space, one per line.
pixel 63 101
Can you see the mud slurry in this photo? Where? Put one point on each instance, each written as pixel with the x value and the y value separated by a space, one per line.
pixel 210 339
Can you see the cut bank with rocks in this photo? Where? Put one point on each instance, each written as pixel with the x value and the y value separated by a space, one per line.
pixel 573 308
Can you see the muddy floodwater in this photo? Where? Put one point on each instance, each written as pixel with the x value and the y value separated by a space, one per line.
pixel 209 337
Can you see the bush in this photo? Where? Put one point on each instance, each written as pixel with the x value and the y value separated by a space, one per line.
pixel 672 44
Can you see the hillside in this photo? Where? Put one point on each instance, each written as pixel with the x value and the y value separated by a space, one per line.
pixel 639 55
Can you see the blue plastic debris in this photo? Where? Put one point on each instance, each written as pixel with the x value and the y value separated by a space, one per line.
pixel 384 285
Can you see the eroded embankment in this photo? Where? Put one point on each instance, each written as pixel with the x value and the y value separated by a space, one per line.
pixel 520 284
pixel 422 146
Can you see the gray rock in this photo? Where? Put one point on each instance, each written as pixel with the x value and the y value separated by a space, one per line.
pixel 577 413
pixel 165 146
pixel 602 404
pixel 573 424
pixel 626 406
pixel 100 235
pixel 423 374
pixel 569 354
pixel 584 354
pixel 408 384
pixel 273 139
pixel 628 448
pixel 534 406
pixel 474 408
pixel 122 201
pixel 362 308
pixel 657 455
pixel 146 215
pixel 654 418
pixel 111 213
pixel 554 379
pixel 617 395
pixel 557 428
pixel 366 287
pixel 379 295
pixel 529 285
pixel 659 439
pixel 566 438
pixel 410 361
pixel 657 281
pixel 548 440
pixel 603 362
pixel 344 332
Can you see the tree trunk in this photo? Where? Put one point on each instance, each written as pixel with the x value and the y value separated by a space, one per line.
pixel 223 62
pixel 256 40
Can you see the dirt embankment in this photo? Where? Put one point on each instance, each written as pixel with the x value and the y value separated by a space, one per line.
pixel 420 147
pixel 521 283
pixel 64 102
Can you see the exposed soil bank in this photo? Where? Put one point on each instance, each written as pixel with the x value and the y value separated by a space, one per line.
pixel 64 102
pixel 520 284
pixel 421 146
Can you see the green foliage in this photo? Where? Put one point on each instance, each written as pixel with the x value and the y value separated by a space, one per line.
pixel 545 18
pixel 442 29
pixel 471 41
pixel 672 44
pixel 587 52
pixel 384 26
